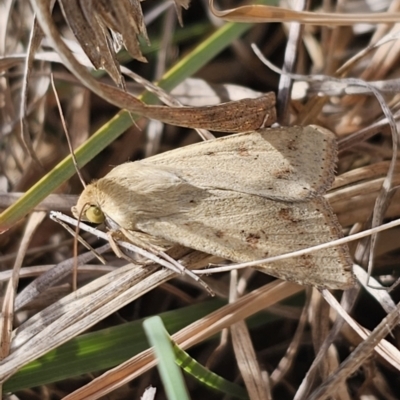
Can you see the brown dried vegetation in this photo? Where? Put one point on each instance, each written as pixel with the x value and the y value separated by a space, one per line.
pixel 316 355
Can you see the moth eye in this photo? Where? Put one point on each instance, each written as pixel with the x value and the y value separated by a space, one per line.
pixel 95 215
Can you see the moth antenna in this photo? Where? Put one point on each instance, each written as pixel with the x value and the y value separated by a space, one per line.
pixel 75 268
pixel 175 265
pixel 75 234
pixel 60 111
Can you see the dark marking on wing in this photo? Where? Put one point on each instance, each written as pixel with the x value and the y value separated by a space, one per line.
pixel 286 214
pixel 243 151
pixel 291 145
pixel 283 174
pixel 253 238
pixel 307 261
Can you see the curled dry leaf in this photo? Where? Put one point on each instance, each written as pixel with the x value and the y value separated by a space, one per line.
pixel 92 23
pixel 94 39
pixel 101 27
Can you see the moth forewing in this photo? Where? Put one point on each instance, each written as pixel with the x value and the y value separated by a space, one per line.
pixel 290 164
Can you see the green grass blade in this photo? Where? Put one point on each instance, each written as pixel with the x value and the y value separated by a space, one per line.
pixel 204 375
pixel 171 375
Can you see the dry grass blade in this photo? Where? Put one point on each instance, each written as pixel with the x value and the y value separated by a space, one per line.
pixel 257 387
pixel 287 360
pixel 259 13
pixel 358 190
pixel 85 307
pixel 164 97
pixel 319 364
pixel 384 348
pixel 285 82
pixel 247 362
pixel 52 277
pixel 125 18
pixel 353 362
pixel 76 313
pixel 375 290
pixel 55 202
pixel 35 39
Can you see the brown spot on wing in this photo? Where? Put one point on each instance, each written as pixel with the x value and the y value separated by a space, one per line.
pixel 252 239
pixel 286 214
pixel 307 261
pixel 243 151
pixel 283 173
pixel 291 145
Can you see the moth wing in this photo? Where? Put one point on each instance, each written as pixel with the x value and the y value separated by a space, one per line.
pixel 241 228
pixel 289 164
pixel 135 191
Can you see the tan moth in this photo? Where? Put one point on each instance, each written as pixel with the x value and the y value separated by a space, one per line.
pixel 242 197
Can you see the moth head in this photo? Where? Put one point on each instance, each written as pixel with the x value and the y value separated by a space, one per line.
pixel 87 208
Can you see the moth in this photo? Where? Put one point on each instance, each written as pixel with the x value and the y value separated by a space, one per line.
pixel 241 197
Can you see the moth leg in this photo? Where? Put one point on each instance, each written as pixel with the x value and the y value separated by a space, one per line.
pixel 145 241
pixel 137 238
pixel 188 272
pixel 124 235
pixel 112 236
